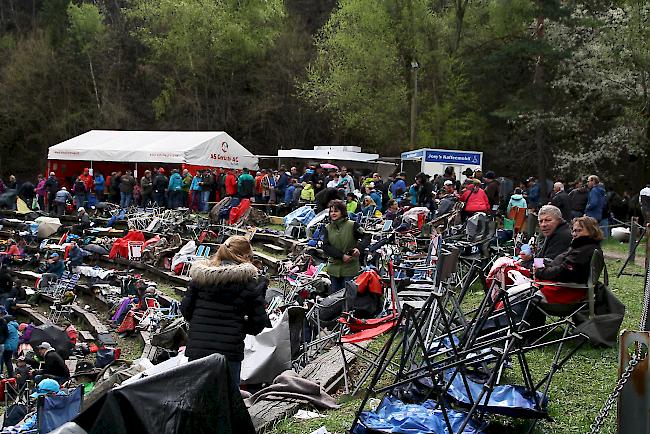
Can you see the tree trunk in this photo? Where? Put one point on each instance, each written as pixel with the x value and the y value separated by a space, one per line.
pixel 92 76
pixel 461 6
pixel 540 95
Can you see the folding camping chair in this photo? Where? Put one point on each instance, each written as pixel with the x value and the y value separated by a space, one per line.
pixel 357 333
pixel 54 411
pixel 145 317
pixel 59 309
pixel 135 249
pixel 202 252
pixel 67 282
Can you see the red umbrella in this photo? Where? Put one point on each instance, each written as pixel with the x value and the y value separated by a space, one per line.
pixel 329 166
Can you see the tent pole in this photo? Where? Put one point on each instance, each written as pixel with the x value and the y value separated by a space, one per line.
pixel 135 173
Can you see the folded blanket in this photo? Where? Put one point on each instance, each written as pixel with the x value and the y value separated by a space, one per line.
pixel 290 385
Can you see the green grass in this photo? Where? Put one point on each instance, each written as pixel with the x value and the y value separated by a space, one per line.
pixel 577 392
pixel 611 245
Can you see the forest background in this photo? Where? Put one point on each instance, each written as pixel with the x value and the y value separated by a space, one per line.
pixel 543 87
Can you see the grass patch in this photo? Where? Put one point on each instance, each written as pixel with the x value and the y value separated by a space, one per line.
pixel 577 392
pixel 613 246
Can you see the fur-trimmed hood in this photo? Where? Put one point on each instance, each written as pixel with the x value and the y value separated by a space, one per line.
pixel 202 273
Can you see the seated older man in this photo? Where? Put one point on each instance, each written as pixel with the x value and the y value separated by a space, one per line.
pixel 556 232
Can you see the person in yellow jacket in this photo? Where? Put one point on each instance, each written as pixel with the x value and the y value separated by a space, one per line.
pixel 307 193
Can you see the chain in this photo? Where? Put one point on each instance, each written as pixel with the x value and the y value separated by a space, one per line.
pixel 604 412
pixel 646 300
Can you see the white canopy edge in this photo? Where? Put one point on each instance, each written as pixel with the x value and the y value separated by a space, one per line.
pixel 199 148
pixel 310 154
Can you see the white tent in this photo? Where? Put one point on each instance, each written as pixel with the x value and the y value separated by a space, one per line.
pixel 198 148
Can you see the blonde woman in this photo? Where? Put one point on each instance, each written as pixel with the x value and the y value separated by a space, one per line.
pixel 225 302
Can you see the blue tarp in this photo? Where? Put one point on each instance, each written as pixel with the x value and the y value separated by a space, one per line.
pixel 394 416
pixel 507 400
pixel 302 215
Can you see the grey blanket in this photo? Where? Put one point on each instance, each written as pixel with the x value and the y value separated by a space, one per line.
pixel 290 385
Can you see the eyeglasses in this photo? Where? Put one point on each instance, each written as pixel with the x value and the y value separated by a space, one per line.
pixel 577 231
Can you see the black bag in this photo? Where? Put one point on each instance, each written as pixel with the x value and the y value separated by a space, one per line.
pixel 14 414
pixel 364 306
pixel 331 307
pixel 603 328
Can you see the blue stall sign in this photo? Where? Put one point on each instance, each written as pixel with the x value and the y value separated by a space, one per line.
pixel 459 157
pixel 412 155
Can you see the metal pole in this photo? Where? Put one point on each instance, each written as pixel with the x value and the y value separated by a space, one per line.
pixel 632 245
pixel 414 109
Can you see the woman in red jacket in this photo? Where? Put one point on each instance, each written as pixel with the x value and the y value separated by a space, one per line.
pixel 474 198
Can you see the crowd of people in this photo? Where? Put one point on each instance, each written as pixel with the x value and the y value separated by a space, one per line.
pixel 320 184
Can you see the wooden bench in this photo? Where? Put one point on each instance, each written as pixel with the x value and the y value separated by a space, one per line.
pixel 86 335
pixel 274 248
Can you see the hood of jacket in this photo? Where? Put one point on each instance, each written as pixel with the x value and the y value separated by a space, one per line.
pixel 517 196
pixel 202 273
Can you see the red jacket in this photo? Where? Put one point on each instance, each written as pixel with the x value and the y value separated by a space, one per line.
pixel 231 185
pixel 475 199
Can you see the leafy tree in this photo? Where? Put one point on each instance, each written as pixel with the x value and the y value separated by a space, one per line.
pixel 201 50
pixel 87 29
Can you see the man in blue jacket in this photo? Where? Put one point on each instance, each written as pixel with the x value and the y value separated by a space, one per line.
pixel 596 202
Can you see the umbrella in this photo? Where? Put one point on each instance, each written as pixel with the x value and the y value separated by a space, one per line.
pixel 47 226
pixel 329 166
pixel 56 336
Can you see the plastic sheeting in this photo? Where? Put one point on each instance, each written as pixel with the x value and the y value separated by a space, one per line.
pixel 394 416
pixel 198 397
pixel 507 400
pixel 302 215
pixel 268 354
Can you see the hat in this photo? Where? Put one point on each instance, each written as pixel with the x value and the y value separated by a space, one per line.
pixel 64 189
pixel 371 184
pixel 490 175
pixel 161 170
pixel 22 326
pixel 44 346
pixel 449 182
pixel 468 172
pixel 54 255
pixel 52 174
pixel 45 387
pixel 81 209
pixel 21 358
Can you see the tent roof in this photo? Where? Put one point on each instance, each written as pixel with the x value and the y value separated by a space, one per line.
pixel 322 154
pixel 209 148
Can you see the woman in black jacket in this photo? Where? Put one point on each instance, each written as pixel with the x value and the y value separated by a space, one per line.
pixel 574 265
pixel 224 303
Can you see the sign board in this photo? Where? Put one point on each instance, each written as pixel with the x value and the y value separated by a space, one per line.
pixel 412 155
pixel 453 157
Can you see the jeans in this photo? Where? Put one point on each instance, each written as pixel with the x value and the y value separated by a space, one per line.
pixel 7 355
pixel 80 200
pixel 205 197
pixel 159 198
pixel 60 208
pixel 196 200
pixel 125 199
pixel 338 283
